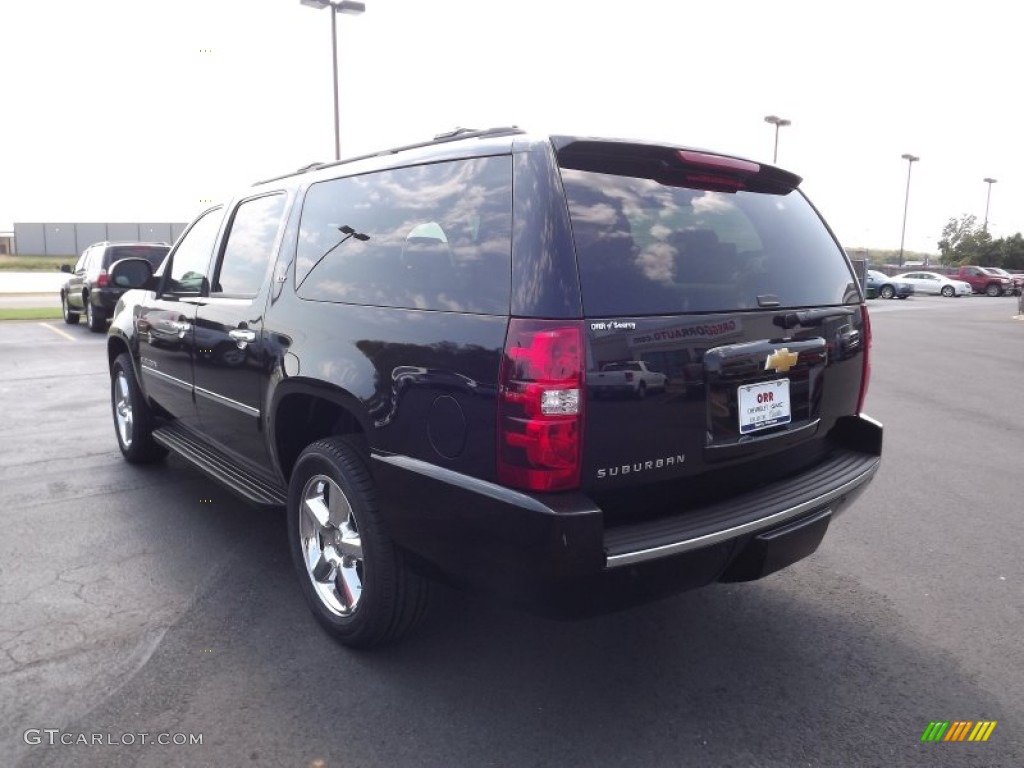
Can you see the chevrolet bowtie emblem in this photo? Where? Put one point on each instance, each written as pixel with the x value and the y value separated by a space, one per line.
pixel 781 360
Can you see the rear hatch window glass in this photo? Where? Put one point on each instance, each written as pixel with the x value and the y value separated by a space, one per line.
pixel 647 248
pixel 154 254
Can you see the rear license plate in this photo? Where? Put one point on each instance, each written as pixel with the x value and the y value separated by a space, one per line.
pixel 763 405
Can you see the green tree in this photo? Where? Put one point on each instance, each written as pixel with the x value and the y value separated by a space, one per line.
pixel 963 242
pixel 1011 252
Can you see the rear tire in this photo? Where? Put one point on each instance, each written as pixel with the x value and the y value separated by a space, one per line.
pixel 887 292
pixel 133 421
pixel 641 391
pixel 947 291
pixel 354 578
pixel 94 318
pixel 71 318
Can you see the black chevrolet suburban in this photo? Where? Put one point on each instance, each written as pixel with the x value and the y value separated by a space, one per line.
pixel 395 348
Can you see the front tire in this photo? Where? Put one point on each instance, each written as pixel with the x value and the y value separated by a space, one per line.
pixel 133 421
pixel 993 290
pixel 71 318
pixel 354 578
pixel 887 292
pixel 947 291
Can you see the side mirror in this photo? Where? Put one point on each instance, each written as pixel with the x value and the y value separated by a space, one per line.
pixel 132 273
pixel 66 268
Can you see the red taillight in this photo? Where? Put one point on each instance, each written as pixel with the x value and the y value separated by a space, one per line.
pixel 718 162
pixel 866 376
pixel 629 375
pixel 102 280
pixel 540 405
pixel 716 172
pixel 704 180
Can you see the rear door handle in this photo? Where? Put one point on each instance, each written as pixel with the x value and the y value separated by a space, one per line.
pixel 242 336
pixel 181 328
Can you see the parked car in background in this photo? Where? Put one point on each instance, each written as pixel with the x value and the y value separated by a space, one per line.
pixel 935 284
pixel 887 287
pixel 88 289
pixel 982 280
pixel 1016 281
pixel 1019 278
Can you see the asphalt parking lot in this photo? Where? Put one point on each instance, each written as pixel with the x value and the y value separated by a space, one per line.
pixel 147 600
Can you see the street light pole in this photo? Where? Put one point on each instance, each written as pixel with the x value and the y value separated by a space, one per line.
pixel 336 6
pixel 778 122
pixel 988 199
pixel 911 159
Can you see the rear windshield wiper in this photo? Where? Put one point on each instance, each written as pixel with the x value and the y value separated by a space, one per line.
pixel 810 317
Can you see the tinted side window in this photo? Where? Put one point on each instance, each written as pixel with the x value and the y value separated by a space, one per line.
pixel 648 248
pixel 190 261
pixel 250 244
pixel 434 236
pixel 92 260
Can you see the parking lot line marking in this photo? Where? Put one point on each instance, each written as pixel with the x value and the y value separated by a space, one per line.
pixel 59 332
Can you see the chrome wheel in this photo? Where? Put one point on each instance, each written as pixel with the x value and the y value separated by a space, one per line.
pixel 123 409
pixel 331 546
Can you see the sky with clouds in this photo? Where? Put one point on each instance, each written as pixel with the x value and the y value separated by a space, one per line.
pixel 118 110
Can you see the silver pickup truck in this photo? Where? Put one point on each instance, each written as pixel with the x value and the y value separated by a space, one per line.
pixel 631 377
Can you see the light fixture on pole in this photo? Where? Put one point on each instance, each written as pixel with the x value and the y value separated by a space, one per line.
pixel 336 6
pixel 988 199
pixel 911 159
pixel 778 122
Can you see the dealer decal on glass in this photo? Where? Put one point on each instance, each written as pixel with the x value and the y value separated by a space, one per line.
pixel 764 405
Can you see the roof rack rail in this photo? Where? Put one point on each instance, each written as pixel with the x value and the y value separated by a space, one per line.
pixel 454 135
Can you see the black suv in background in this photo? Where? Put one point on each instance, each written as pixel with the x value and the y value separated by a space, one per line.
pixel 396 348
pixel 89 290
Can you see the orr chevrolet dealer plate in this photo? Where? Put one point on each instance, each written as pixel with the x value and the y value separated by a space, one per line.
pixel 763 405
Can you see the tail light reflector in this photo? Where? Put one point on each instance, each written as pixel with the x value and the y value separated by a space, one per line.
pixel 540 405
pixel 866 376
pixel 102 280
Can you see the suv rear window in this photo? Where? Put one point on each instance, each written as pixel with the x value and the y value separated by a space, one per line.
pixel 152 253
pixel 648 248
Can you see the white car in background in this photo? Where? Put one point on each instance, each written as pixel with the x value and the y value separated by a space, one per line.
pixel 935 284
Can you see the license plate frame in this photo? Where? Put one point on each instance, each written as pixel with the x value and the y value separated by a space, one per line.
pixel 763 405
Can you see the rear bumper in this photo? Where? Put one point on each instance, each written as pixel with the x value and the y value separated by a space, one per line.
pixel 105 299
pixel 554 550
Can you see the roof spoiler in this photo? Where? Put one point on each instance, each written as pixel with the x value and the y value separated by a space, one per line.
pixel 673 166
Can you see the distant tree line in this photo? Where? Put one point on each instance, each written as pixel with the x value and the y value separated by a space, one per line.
pixel 964 242
pixel 881 258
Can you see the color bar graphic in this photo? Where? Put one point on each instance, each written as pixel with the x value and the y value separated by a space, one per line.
pixel 958 730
